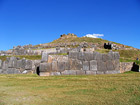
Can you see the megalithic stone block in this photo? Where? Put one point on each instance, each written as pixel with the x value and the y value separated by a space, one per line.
pixel 80 72
pixel 85 65
pixel 54 66
pixel 55 73
pixel 0 64
pixel 91 72
pixel 74 55
pixel 93 65
pixel 117 55
pixel 81 56
pixel 28 65
pixel 111 55
pixel 112 72
pixel 97 56
pixel 44 57
pixel 110 65
pixel 101 66
pixel 23 63
pixel 105 57
pixel 116 64
pixel 61 66
pixel 12 62
pixel 5 65
pixel 69 72
pixel 88 56
pixel 67 65
pixel 43 67
pixel 19 64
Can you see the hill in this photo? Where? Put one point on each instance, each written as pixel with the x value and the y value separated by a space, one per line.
pixel 127 53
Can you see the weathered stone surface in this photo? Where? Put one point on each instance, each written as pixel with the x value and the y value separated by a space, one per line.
pixel 12 71
pixel 44 56
pixel 112 72
pixel 101 66
pixel 111 55
pixel 12 62
pixel 105 57
pixel 91 72
pixel 85 65
pixel 44 74
pixel 88 56
pixel 1 71
pixel 55 73
pixel 49 67
pixel 74 55
pixel 5 65
pixel 43 67
pixel 23 63
pixel 61 66
pixel 116 64
pixel 110 65
pixel 93 65
pixel 100 72
pixel 97 56
pixel 28 65
pixel 81 56
pixel 80 72
pixel 69 72
pixel 67 65
pixel 125 66
pixel 116 55
pixel 0 64
pixel 19 64
pixel 54 66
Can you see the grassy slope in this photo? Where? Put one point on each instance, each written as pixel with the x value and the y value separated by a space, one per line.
pixel 29 57
pixel 118 89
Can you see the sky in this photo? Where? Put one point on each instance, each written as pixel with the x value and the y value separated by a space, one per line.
pixel 34 22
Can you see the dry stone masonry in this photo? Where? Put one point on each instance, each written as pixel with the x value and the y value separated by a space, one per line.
pixel 81 63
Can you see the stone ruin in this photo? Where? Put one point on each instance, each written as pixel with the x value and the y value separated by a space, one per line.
pixel 14 65
pixel 75 63
pixel 80 63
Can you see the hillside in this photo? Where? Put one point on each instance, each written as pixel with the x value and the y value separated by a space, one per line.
pixel 127 53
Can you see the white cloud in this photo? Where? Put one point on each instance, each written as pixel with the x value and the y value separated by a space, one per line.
pixel 94 35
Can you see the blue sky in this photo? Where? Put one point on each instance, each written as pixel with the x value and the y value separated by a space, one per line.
pixel 25 22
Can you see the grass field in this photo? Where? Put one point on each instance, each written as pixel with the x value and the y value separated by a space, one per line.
pixel 116 89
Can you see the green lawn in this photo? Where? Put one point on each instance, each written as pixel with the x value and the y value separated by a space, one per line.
pixel 117 89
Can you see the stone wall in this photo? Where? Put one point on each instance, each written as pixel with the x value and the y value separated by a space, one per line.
pixel 81 63
pixel 125 66
pixel 15 65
